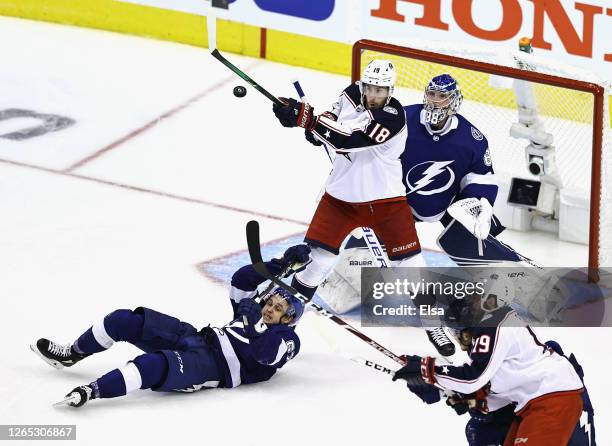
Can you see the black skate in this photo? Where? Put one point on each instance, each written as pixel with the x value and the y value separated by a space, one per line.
pixel 77 397
pixel 58 356
pixel 438 337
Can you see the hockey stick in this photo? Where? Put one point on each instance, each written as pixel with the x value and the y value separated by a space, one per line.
pixel 372 365
pixel 372 242
pixel 302 96
pixel 211 23
pixel 252 231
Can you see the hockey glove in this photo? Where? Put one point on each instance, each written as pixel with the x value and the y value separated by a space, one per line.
pixel 417 371
pixel 295 114
pixel 459 405
pixel 251 317
pixel 473 213
pixel 426 392
pixel 311 138
pixel 297 256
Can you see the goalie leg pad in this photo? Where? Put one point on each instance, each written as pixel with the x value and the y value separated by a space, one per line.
pixel 465 249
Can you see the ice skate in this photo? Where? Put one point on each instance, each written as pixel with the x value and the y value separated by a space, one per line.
pixel 440 340
pixel 58 356
pixel 77 397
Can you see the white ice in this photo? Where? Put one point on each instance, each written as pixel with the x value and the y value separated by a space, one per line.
pixel 80 237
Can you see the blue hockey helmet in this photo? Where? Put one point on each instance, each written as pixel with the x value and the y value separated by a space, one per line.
pixel 295 307
pixel 442 99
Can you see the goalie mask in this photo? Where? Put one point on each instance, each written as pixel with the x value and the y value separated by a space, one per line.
pixel 378 73
pixel 498 292
pixel 442 99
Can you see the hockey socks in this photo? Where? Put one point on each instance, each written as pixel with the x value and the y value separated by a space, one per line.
pixel 304 289
pixel 120 325
pixel 144 372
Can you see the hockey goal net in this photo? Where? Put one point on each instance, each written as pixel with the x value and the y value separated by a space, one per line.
pixel 518 100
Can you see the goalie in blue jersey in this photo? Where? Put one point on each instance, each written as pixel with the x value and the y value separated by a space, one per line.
pixel 447 165
pixel 258 341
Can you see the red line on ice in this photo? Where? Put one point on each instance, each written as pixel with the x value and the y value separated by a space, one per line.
pixel 155 192
pixel 155 121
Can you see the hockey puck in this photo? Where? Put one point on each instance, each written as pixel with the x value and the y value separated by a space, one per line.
pixel 239 91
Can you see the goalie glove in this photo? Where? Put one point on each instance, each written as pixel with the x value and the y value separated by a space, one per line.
pixel 474 214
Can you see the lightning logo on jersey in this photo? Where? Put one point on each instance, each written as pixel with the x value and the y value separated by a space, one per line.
pixel 430 172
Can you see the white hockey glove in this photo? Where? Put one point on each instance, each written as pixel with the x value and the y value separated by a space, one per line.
pixel 474 214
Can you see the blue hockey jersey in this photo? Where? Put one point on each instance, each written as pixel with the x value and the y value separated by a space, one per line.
pixel 441 168
pixel 245 360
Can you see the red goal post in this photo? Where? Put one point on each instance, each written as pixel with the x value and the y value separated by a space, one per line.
pixel 597 255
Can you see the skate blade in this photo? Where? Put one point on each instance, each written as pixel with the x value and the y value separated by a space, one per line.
pixel 68 401
pixel 52 363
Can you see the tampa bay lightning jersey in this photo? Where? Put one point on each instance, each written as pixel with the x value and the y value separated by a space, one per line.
pixel 246 360
pixel 440 168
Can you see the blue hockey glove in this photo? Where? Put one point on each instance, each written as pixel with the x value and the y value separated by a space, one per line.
pixel 251 317
pixel 298 254
pixel 426 392
pixel 295 113
pixel 417 371
pixel 459 405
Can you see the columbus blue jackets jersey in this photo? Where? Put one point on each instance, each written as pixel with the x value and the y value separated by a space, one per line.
pixel 245 360
pixel 441 168
pixel 509 357
pixel 369 144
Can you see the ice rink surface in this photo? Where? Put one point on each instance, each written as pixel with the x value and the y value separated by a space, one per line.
pixel 157 176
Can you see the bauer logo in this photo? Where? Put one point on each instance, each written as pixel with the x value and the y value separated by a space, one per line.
pixel 305 9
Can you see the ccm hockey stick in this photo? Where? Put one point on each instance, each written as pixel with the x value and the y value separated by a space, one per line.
pixel 371 241
pixel 252 232
pixel 211 23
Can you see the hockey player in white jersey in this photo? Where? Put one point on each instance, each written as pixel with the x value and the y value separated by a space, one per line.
pixel 508 365
pixel 366 128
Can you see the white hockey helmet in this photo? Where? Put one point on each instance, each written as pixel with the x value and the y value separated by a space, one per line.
pixel 380 73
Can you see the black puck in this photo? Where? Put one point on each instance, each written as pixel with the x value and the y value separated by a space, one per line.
pixel 239 91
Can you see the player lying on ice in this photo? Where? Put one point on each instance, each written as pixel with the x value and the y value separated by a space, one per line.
pixel 517 389
pixel 258 341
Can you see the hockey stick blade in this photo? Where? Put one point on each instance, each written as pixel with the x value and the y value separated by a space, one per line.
pixel 217 55
pixel 252 233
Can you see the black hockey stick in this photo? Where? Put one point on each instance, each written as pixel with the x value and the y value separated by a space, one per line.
pixel 211 23
pixel 217 55
pixel 252 231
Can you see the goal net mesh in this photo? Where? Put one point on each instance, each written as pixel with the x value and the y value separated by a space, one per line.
pixel 490 104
